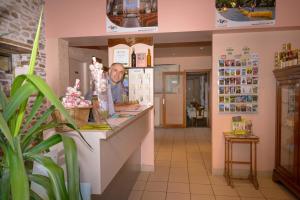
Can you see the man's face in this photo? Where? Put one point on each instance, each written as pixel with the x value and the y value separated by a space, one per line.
pixel 116 73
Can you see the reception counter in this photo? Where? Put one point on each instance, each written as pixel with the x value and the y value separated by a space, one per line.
pixel 117 156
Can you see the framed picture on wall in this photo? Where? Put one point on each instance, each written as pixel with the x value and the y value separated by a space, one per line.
pixel 5 63
pixel 121 56
pixel 5 86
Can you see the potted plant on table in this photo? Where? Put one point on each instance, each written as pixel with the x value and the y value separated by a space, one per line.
pixel 18 132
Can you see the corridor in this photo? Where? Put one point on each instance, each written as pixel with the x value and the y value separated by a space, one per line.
pixel 183 172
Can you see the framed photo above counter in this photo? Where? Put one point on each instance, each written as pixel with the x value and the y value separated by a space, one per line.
pixel 5 63
pixel 238 82
pixel 121 55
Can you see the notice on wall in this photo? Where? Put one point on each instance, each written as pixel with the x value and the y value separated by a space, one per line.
pixel 131 16
pixel 245 13
pixel 238 81
pixel 121 56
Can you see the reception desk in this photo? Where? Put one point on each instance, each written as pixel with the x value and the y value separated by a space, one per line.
pixel 117 156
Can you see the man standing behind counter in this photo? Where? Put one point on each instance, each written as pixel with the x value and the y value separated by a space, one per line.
pixel 116 75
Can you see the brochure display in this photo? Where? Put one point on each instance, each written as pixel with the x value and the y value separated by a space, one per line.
pixel 238 82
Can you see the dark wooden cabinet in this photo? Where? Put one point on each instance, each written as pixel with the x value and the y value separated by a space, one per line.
pixel 287 146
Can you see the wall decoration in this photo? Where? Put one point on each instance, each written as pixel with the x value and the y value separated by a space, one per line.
pixel 5 63
pixel 131 16
pixel 244 13
pixel 5 86
pixel 121 56
pixel 238 81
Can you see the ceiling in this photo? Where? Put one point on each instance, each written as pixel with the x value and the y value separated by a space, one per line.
pixel 183 51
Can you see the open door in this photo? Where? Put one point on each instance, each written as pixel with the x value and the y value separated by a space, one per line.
pixel 174 115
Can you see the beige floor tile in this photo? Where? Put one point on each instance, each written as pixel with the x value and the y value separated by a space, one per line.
pixel 194 156
pixel 139 185
pixel 143 176
pixel 242 183
pixel 179 178
pixel 178 187
pixel 277 193
pixel 197 172
pixel 201 189
pixel 224 190
pixel 197 165
pixel 156 186
pixel 267 183
pixel 163 157
pixel 162 170
pixel 135 195
pixel 202 197
pixel 227 198
pixel 154 195
pixel 179 158
pixel 175 164
pixel 177 196
pixel 162 163
pixel 158 177
pixel 179 171
pixel 199 179
pixel 217 180
pixel 249 191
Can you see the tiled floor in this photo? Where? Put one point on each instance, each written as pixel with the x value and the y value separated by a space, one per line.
pixel 183 172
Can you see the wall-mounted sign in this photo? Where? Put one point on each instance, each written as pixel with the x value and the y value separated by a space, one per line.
pixel 244 13
pixel 131 16
pixel 5 63
pixel 121 56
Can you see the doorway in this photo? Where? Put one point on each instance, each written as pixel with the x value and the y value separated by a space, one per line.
pixel 174 99
pixel 197 99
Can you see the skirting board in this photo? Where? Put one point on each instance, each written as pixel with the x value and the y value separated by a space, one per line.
pixel 242 173
pixel 147 168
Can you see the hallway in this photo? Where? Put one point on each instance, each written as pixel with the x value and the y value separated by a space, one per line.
pixel 131 21
pixel 183 172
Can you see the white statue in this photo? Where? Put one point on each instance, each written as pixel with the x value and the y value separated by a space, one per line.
pixel 96 75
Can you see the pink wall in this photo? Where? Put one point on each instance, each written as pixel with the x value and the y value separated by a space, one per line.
pixel 265 44
pixel 186 63
pixel 75 18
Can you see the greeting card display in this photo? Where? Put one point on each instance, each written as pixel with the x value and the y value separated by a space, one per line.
pixel 238 82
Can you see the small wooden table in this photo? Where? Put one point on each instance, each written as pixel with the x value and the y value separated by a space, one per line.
pixel 230 139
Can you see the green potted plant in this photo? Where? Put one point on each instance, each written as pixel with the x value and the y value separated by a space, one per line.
pixel 18 133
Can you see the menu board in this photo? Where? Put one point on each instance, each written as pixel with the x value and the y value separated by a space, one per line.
pixel 238 81
pixel 141 85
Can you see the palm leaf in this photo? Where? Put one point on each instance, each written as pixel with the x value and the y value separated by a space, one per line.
pixel 18 178
pixel 18 82
pixel 43 181
pixel 50 125
pixel 50 95
pixel 28 136
pixel 44 145
pixel 4 184
pixel 34 196
pixel 3 100
pixel 16 100
pixel 19 118
pixel 37 104
pixel 34 50
pixel 6 132
pixel 72 167
pixel 56 176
